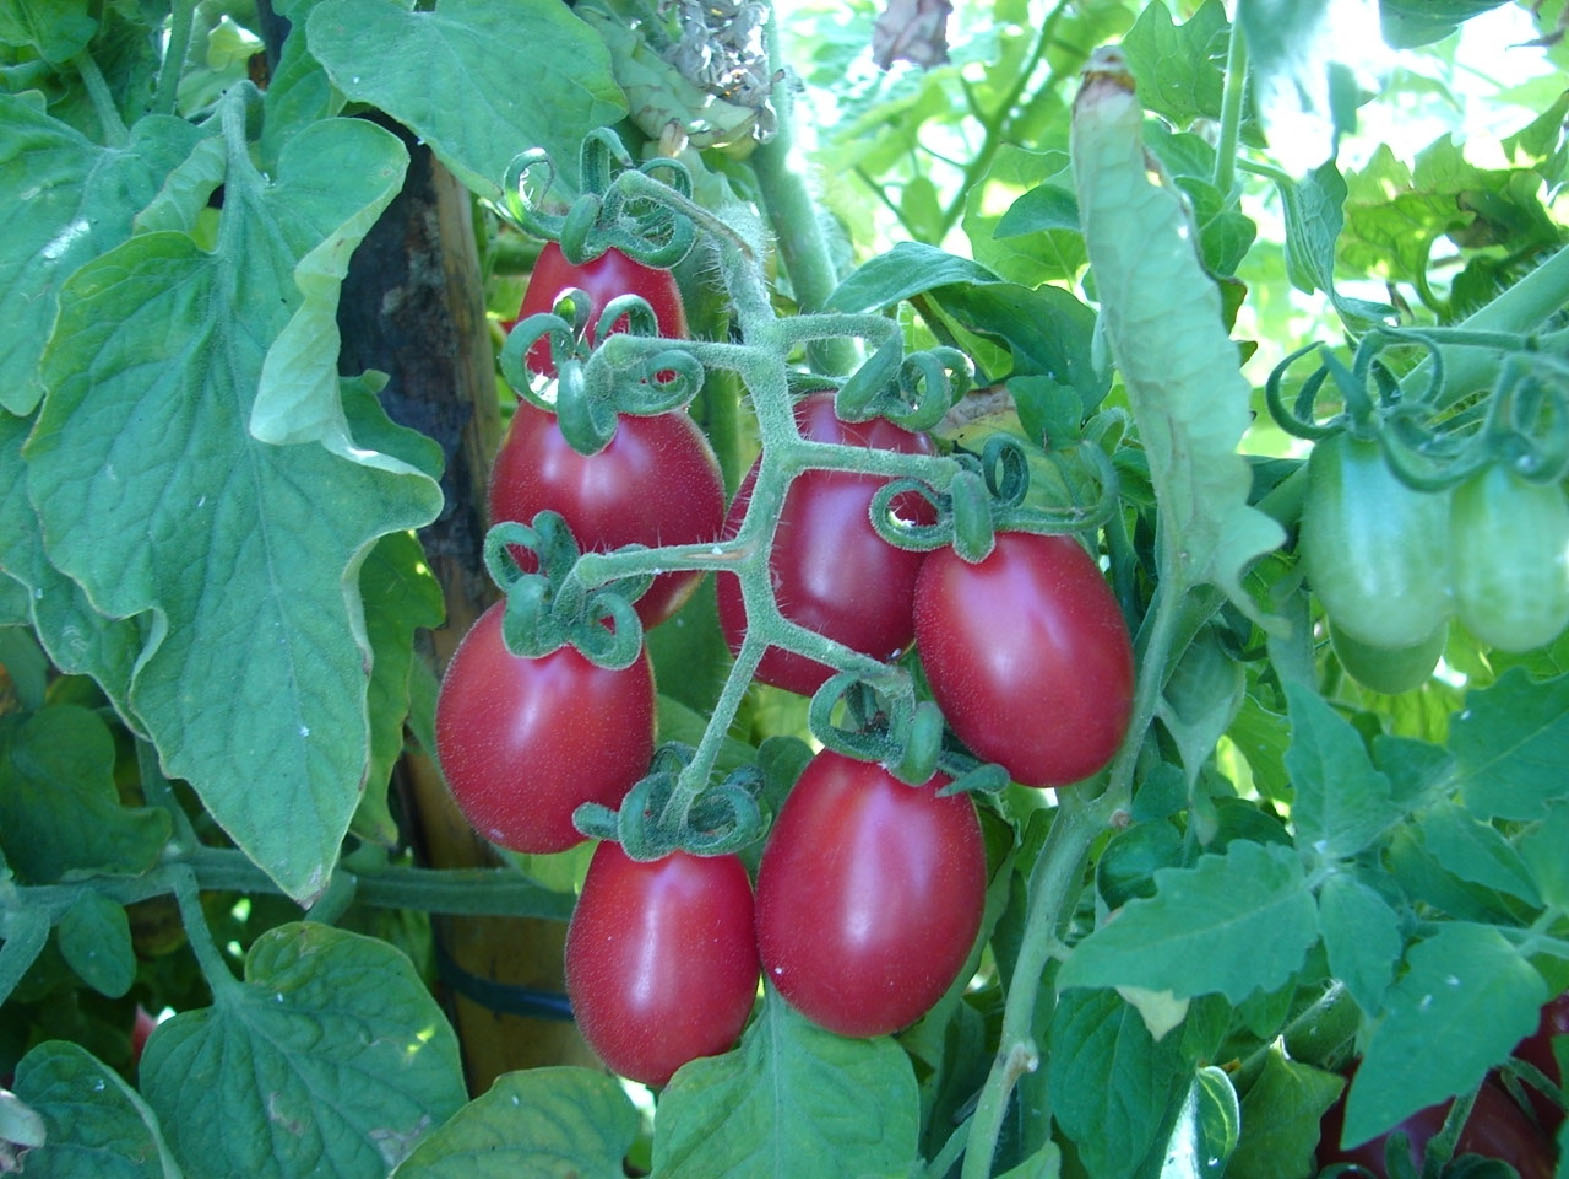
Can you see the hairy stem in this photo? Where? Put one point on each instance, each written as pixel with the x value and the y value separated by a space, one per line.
pixel 174 58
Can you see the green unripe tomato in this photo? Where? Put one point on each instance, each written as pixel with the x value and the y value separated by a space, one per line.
pixel 1510 540
pixel 1390 670
pixel 1375 551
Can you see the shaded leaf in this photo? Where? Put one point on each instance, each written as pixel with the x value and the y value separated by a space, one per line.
pixel 1342 803
pixel 1511 746
pixel 331 1058
pixel 1280 1117
pixel 909 269
pixel 97 1126
pixel 544 1123
pixel 1361 936
pixel 1466 999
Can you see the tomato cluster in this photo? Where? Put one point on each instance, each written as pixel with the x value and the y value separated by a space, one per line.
pixel 1391 564
pixel 1498 1127
pixel 524 741
pixel 869 892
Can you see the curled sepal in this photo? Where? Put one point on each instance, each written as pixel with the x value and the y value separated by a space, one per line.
pixel 633 208
pixel 970 506
pixel 724 817
pixel 912 391
pixel 891 728
pixel 895 525
pixel 565 341
pixel 551 608
pixel 1298 420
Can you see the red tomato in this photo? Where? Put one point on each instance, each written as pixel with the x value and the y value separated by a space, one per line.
pixel 661 963
pixel 602 279
pixel 657 483
pixel 1496 1129
pixel 1537 1049
pixel 869 895
pixel 523 742
pixel 1028 656
pixel 832 573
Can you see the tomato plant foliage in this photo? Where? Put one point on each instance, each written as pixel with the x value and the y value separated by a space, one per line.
pixel 1148 458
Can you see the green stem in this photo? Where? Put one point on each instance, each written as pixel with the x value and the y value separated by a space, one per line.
pixel 173 66
pixel 792 214
pixel 999 130
pixel 114 129
pixel 1053 890
pixel 157 792
pixel 469 892
pixel 214 967
pixel 1231 110
pixel 1524 307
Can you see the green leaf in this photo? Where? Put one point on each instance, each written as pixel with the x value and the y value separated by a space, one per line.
pixel 96 1125
pixel 1045 1163
pixel 1466 999
pixel 1361 936
pixel 69 200
pixel 57 30
pixel 1342 803
pixel 1542 849
pixel 1409 23
pixel 24 661
pixel 331 1058
pixel 243 565
pixel 1207 1128
pixel 1161 315
pixel 95 939
pixel 1048 330
pixel 792 1100
pixel 1280 1118
pixel 1044 207
pixel 1115 1090
pixel 1049 253
pixel 76 637
pixel 1512 746
pixel 907 270
pixel 545 1123
pixel 401 595
pixel 1314 206
pixel 299 397
pixel 1179 67
pixel 452 76
pixel 1234 923
pixel 1475 851
pixel 26 935
pixel 59 809
pixel 1200 699
pixel 299 91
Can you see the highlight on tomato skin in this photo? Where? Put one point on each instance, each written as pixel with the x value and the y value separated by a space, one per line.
pixel 1028 656
pixel 832 573
pixel 523 742
pixel 602 279
pixel 869 895
pixel 661 960
pixel 656 483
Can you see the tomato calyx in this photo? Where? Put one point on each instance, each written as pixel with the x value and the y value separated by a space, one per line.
pixel 663 814
pixel 635 208
pixel 893 728
pixel 987 496
pixel 911 391
pixel 551 609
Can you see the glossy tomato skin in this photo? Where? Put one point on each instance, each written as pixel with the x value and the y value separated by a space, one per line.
pixel 869 896
pixel 831 572
pixel 1028 656
pixel 1510 573
pixel 661 962
pixel 602 279
pixel 657 483
pixel 1497 1129
pixel 1375 551
pixel 523 742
